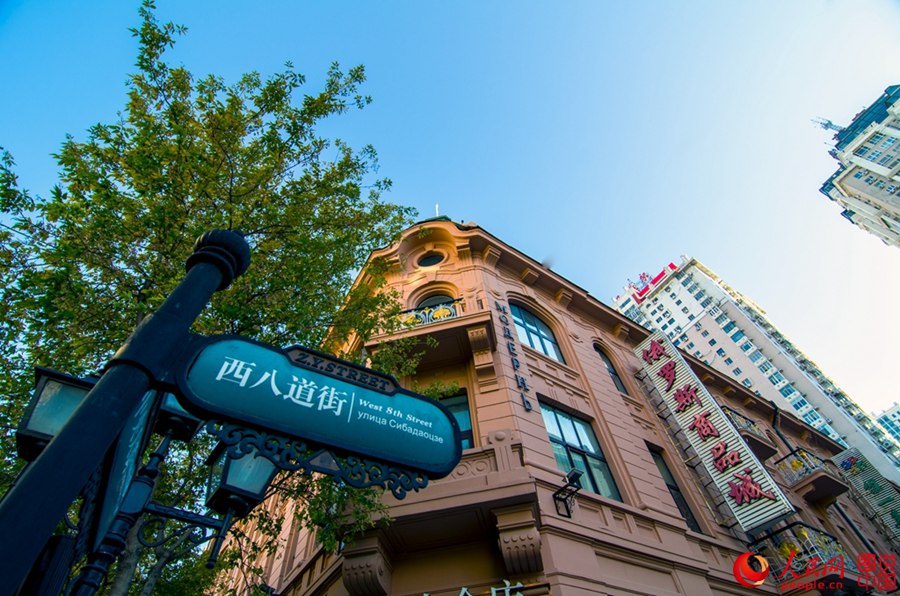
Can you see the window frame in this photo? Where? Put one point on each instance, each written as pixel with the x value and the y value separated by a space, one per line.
pixel 542 332
pixel 611 369
pixel 464 434
pixel 682 504
pixel 588 451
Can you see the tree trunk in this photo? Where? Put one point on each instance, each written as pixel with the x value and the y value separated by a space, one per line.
pixel 127 564
pixel 164 556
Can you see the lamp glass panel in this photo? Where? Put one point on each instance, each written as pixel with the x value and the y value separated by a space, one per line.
pixel 55 406
pixel 215 475
pixel 250 474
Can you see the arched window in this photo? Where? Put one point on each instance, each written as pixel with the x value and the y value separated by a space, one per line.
pixel 534 333
pixel 435 300
pixel 613 373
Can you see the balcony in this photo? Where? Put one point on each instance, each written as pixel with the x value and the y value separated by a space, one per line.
pixel 756 439
pixel 427 315
pixel 462 332
pixel 811 477
pixel 815 553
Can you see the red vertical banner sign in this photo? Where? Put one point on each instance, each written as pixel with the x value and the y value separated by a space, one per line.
pixel 745 484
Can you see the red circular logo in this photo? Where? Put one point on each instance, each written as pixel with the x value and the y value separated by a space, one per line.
pixel 746 575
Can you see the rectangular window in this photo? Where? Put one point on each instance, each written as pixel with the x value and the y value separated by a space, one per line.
pixel 575 446
pixel 459 407
pixel 728 327
pixel 705 333
pixel 787 390
pixel 861 151
pixel 712 342
pixel 737 372
pixel 756 356
pixel 746 346
pixel 748 383
pixel 706 302
pixel 720 352
pixel 729 361
pixel 776 378
pixel 765 366
pixel 690 346
pixel 738 336
pixel 675 491
pixel 722 319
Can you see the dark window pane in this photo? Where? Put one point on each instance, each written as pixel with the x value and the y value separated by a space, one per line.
pixel 575 445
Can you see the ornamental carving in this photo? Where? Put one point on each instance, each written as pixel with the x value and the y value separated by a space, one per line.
pixel 520 540
pixel 366 569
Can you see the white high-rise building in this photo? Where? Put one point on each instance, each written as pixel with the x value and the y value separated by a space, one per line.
pixel 711 321
pixel 867 182
pixel 890 421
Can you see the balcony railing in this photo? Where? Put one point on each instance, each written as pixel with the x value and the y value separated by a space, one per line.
pixel 814 551
pixel 427 315
pixel 752 433
pixel 811 476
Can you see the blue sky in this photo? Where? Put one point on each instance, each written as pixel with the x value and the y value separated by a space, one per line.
pixel 607 138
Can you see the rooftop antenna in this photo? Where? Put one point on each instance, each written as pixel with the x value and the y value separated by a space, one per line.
pixel 828 124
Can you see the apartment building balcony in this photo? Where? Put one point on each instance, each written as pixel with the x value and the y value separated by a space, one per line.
pixel 800 552
pixel 459 329
pixel 813 478
pixel 756 439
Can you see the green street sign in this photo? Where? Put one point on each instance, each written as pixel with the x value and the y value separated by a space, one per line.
pixel 302 394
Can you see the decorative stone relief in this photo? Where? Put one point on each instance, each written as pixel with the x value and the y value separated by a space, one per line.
pixel 529 275
pixel 463 250
pixel 563 297
pixel 367 569
pixel 520 540
pixel 490 255
pixel 483 358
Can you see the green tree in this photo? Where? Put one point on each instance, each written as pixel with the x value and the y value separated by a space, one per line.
pixel 80 268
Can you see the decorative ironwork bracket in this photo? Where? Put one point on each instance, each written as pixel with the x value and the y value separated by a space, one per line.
pixel 290 455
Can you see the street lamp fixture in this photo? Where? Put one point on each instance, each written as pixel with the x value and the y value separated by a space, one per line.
pixel 564 497
pixel 237 485
pixel 56 396
pixel 174 420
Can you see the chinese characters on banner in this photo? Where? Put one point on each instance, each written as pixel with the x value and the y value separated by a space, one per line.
pixel 749 490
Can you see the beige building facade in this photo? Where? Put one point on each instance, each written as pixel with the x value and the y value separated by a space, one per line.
pixel 867 182
pixel 550 388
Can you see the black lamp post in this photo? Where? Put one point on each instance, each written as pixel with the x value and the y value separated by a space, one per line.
pixel 56 396
pixel 42 494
